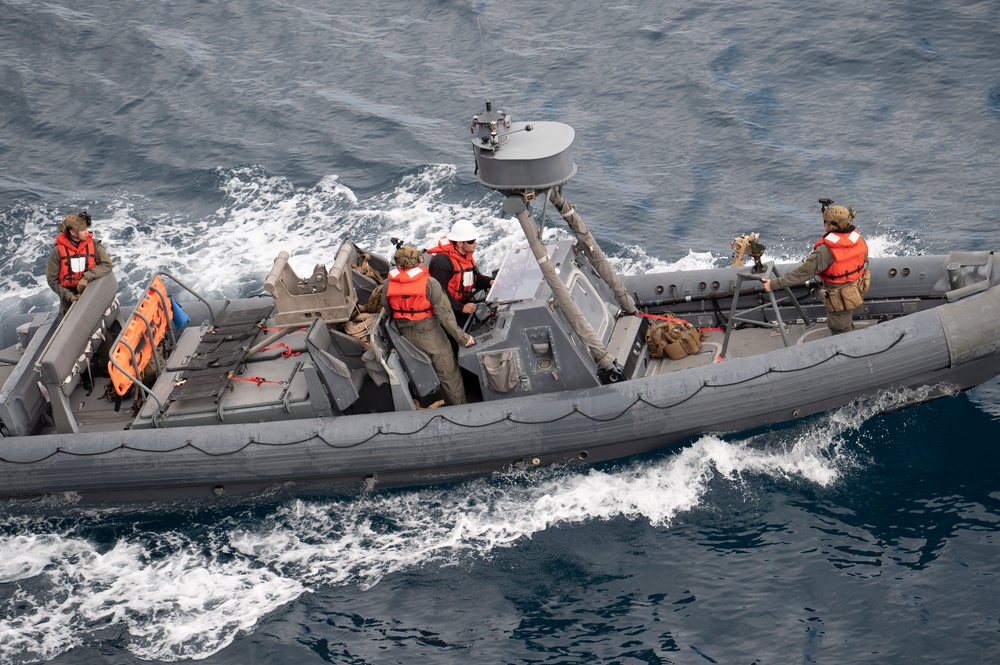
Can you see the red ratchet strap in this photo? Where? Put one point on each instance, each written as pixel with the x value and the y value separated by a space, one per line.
pixel 254 379
pixel 673 320
pixel 661 318
pixel 287 353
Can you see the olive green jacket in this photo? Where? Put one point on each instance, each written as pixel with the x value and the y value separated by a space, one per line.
pixel 102 267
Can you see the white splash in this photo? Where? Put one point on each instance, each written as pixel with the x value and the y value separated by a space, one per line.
pixel 178 599
pixel 178 596
pixel 230 251
pixel 880 244
pixel 360 541
pixel 181 605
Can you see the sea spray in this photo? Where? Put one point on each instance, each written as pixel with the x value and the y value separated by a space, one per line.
pixel 188 594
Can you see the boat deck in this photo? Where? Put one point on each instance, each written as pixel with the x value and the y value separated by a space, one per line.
pixel 95 413
pixel 746 341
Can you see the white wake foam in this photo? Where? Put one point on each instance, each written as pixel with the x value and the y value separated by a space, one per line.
pixel 181 596
pixel 183 605
pixel 175 596
pixel 230 251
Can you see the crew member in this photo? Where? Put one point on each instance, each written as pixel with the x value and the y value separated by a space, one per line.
pixel 840 258
pixel 454 266
pixel 77 259
pixel 421 312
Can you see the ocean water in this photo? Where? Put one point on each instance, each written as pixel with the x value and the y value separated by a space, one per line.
pixel 205 137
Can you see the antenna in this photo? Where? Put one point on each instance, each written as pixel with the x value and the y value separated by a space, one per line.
pixel 482 50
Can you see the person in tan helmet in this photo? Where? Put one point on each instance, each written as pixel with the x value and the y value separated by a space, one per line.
pixel 77 259
pixel 423 315
pixel 840 259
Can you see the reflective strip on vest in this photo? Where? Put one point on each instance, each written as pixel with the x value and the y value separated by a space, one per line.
pixel 74 260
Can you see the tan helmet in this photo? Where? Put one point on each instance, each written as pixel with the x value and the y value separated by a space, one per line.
pixel 78 221
pixel 839 216
pixel 408 257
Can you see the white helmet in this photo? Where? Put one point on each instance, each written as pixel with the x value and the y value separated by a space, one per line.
pixel 463 231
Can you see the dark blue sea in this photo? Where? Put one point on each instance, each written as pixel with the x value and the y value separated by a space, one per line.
pixel 207 136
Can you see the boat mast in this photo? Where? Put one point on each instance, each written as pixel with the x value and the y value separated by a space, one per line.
pixel 519 160
pixel 593 251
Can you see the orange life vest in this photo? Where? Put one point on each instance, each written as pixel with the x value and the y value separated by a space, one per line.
pixel 407 294
pixel 849 251
pixel 463 282
pixel 74 260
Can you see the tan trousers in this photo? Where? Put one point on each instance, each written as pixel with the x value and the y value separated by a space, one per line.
pixel 428 336
pixel 840 322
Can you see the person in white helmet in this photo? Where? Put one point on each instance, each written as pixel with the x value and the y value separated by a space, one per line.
pixel 454 266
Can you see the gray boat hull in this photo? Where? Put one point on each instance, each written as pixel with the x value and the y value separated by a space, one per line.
pixel 933 353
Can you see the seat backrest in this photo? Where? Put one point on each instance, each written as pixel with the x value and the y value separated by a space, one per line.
pixel 338 361
pixel 94 311
pixel 383 365
pixel 21 400
pixel 77 337
pixel 416 363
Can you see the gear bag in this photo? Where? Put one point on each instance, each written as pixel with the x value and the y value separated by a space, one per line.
pixel 365 269
pixel 374 304
pixel 674 339
pixel 865 281
pixel 502 369
pixel 359 326
pixel 844 299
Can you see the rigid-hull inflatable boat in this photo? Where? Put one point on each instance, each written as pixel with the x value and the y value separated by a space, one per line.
pixel 294 392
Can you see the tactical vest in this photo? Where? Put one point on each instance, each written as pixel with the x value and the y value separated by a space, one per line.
pixel 463 281
pixel 407 294
pixel 849 251
pixel 74 260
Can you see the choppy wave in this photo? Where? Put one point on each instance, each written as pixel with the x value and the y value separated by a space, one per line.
pixel 207 137
pixel 230 251
pixel 172 594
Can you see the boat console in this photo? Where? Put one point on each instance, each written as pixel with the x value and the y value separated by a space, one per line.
pixel 525 346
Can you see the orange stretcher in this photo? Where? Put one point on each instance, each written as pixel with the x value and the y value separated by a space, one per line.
pixel 144 331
